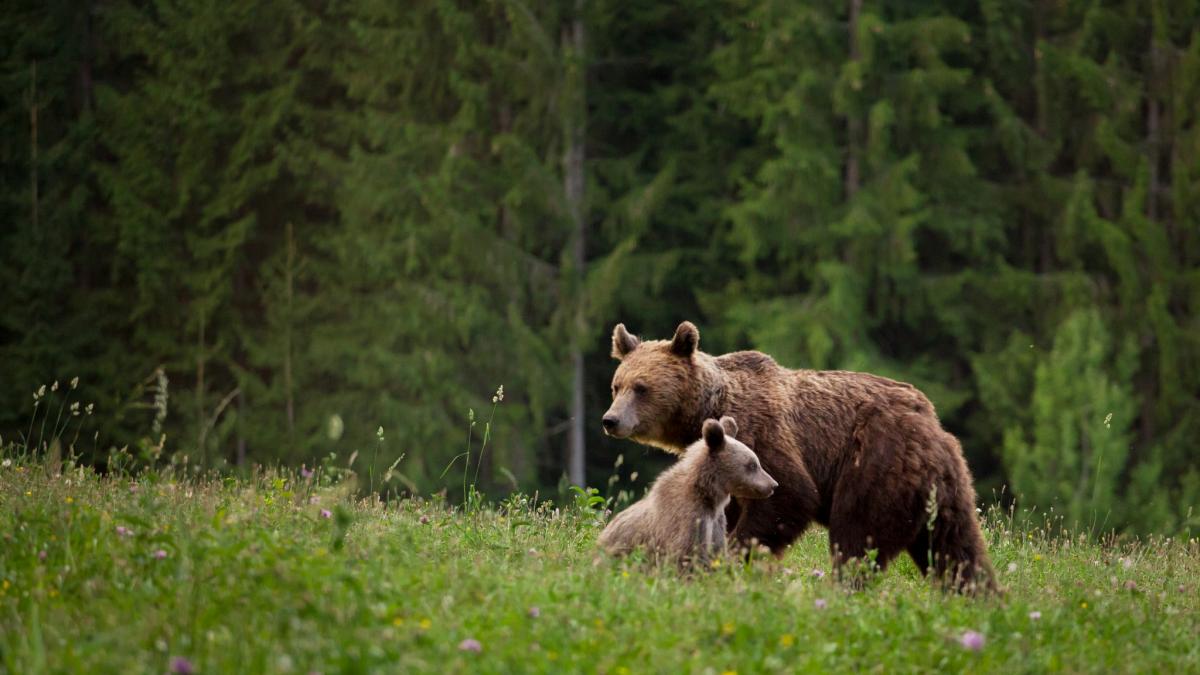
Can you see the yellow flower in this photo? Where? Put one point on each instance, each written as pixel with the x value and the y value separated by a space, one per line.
pixel 28 493
pixel 786 640
pixel 622 670
pixel 727 629
pixel 624 574
pixel 1037 557
pixel 5 585
pixel 70 500
pixel 553 656
pixel 53 592
pixel 398 621
pixel 729 672
pixel 715 563
pixel 1083 605
pixel 599 624
pixel 425 624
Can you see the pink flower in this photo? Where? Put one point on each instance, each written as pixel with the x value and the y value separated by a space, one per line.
pixel 818 574
pixel 133 488
pixel 470 645
pixel 972 640
pixel 1035 615
pixel 820 603
pixel 534 612
pixel 181 666
pixel 42 554
pixel 326 513
pixel 160 554
pixel 124 531
pixel 423 520
pixel 305 472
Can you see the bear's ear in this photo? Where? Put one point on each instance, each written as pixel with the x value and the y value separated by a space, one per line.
pixel 623 342
pixel 730 426
pixel 714 435
pixel 687 337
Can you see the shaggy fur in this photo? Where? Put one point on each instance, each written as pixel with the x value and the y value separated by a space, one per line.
pixel 858 453
pixel 682 519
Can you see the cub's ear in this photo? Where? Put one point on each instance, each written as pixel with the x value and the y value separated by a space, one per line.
pixel 730 426
pixel 714 435
pixel 686 339
pixel 623 342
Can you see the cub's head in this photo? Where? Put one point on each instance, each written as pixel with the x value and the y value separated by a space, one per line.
pixel 655 388
pixel 733 467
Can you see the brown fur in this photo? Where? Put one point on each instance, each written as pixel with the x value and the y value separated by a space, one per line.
pixel 855 452
pixel 682 518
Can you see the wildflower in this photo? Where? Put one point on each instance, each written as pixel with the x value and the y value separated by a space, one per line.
pixel 729 672
pixel 89 408
pixel 6 463
pixel 54 387
pixel 470 645
pixel 534 612
pixel 160 554
pixel 727 628
pixel 786 640
pixel 124 531
pixel 326 513
pixel 1012 567
pixel 74 381
pixel 1035 615
pixel 1127 562
pixel 1037 557
pixel 423 519
pixel 28 493
pixel 1131 585
pixel 133 488
pixel 314 499
pixel 499 395
pixel 820 603
pixel 972 640
pixel 305 472
pixel 1083 605
pixel 398 621
pixel 181 666
pixel 42 554
pixel 716 562
pixel 818 574
pixel 425 624
pixel 70 500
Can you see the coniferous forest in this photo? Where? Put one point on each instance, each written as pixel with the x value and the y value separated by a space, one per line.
pixel 266 232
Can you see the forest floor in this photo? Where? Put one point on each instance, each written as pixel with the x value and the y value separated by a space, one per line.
pixel 155 572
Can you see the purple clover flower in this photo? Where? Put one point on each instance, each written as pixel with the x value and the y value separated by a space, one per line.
pixel 470 645
pixel 181 666
pixel 972 640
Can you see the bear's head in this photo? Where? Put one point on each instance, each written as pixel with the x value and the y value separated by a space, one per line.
pixel 730 466
pixel 656 388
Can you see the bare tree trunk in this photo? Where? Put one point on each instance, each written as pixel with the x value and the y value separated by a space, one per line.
pixel 289 279
pixel 201 415
pixel 33 144
pixel 853 123
pixel 574 128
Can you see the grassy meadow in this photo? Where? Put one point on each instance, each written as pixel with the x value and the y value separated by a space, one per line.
pixel 164 571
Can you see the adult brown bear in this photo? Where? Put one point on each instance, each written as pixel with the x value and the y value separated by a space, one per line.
pixel 863 455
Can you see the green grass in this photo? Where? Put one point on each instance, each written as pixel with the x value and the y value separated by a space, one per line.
pixel 256 579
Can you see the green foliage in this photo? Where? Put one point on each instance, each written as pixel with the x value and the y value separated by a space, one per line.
pixel 282 573
pixel 265 231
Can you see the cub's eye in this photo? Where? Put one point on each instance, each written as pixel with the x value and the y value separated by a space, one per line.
pixel 639 388
pixel 750 467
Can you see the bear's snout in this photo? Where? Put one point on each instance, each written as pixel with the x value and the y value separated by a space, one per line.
pixel 610 423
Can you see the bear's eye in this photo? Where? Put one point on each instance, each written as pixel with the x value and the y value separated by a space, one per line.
pixel 750 467
pixel 639 388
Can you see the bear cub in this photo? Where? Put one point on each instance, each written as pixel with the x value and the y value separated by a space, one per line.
pixel 682 518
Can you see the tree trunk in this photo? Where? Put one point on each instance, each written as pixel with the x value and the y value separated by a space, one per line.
pixel 574 127
pixel 33 145
pixel 853 123
pixel 289 281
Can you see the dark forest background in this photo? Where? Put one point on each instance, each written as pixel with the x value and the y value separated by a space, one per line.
pixel 268 229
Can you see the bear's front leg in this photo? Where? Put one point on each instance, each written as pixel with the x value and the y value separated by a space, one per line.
pixel 775 522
